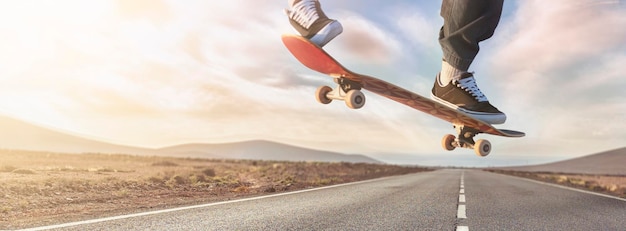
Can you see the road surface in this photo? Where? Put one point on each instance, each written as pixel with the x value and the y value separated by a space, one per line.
pixel 438 200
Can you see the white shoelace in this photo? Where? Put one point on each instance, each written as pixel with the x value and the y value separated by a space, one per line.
pixel 469 85
pixel 304 13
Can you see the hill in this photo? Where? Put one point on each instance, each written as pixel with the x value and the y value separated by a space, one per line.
pixel 20 135
pixel 611 162
pixel 261 150
pixel 17 134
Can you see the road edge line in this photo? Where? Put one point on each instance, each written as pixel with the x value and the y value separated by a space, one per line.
pixel 561 186
pixel 141 214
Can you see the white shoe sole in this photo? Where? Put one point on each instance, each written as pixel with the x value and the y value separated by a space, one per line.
pixel 329 32
pixel 486 117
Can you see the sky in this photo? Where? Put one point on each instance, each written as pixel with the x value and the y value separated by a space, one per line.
pixel 154 73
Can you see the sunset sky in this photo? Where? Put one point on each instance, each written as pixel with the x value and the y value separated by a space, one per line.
pixel 153 73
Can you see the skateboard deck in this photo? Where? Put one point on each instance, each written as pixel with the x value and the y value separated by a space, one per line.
pixel 350 84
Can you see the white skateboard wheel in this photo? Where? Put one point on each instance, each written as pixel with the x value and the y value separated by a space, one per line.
pixel 355 99
pixel 447 142
pixel 482 147
pixel 321 93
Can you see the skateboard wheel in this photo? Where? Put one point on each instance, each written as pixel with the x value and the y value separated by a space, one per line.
pixel 355 99
pixel 482 147
pixel 447 142
pixel 321 93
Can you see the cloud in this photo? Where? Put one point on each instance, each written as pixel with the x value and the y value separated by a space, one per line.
pixel 154 10
pixel 420 30
pixel 559 66
pixel 556 34
pixel 366 40
pixel 156 73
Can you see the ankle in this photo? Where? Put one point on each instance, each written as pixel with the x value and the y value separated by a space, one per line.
pixel 449 73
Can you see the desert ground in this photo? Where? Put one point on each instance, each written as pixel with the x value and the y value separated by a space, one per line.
pixel 614 185
pixel 42 188
pixel 602 172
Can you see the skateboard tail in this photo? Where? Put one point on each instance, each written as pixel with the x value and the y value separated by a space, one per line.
pixel 303 49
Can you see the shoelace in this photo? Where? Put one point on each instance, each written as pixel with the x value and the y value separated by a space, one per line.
pixel 469 85
pixel 304 13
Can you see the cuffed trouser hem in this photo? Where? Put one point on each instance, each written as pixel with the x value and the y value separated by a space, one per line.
pixel 466 23
pixel 456 62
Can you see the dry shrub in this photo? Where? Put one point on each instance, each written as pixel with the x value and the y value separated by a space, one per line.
pixel 121 193
pixel 197 179
pixel 7 168
pixel 165 163
pixel 167 175
pixel 23 171
pixel 325 181
pixel 69 168
pixel 208 172
pixel 193 179
pixel 241 189
pixel 270 189
pixel 5 209
pixel 107 170
pixel 156 180
pixel 176 181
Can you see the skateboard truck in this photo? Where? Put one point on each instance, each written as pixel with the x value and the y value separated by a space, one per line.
pixel 346 90
pixel 465 139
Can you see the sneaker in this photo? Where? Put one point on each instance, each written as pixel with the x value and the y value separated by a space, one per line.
pixel 464 95
pixel 307 17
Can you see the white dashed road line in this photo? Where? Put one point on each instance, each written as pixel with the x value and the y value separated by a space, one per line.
pixel 460 213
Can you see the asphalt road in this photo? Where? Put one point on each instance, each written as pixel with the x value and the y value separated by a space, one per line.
pixel 439 200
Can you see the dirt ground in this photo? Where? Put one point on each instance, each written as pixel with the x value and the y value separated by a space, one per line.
pixel 40 188
pixel 614 185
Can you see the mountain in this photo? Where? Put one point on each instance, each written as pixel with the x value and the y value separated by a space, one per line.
pixel 611 162
pixel 17 134
pixel 261 150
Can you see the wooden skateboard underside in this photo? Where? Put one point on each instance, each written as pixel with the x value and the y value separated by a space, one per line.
pixel 349 90
pixel 318 60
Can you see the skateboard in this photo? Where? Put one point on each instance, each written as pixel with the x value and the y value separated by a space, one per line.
pixel 349 85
